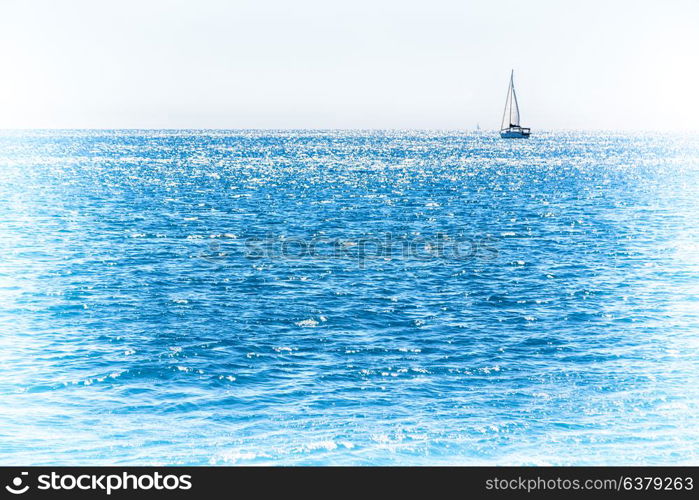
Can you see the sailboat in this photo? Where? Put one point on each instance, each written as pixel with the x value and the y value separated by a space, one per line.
pixel 510 128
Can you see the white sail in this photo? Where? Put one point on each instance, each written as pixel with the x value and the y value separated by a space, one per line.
pixel 510 117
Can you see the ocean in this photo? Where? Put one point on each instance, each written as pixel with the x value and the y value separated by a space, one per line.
pixel 348 297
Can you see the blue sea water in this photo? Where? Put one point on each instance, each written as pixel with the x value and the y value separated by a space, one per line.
pixel 348 297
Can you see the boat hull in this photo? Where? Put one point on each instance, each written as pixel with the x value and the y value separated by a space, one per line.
pixel 515 134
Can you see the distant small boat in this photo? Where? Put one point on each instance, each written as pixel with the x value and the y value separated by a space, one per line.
pixel 510 128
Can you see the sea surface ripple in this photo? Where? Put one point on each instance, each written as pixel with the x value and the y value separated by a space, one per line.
pixel 348 297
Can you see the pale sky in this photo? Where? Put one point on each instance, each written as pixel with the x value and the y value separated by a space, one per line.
pixel 432 64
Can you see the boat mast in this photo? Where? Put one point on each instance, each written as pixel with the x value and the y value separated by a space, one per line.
pixel 508 101
pixel 512 91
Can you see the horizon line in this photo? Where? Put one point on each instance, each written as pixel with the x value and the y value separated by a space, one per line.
pixel 338 129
